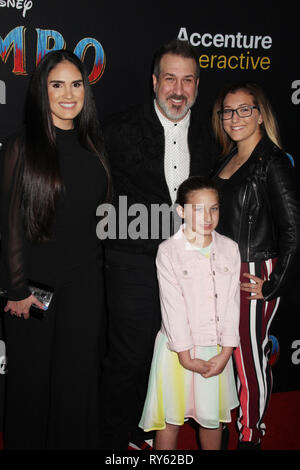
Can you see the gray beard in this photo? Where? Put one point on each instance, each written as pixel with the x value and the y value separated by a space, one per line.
pixel 173 116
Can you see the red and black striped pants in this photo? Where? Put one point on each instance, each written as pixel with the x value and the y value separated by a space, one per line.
pixel 252 356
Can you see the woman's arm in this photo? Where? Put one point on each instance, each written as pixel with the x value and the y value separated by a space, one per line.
pixel 284 196
pixel 22 307
pixel 11 220
pixel 12 237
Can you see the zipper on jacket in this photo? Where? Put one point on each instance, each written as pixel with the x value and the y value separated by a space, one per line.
pixel 249 231
pixel 243 203
pixel 250 219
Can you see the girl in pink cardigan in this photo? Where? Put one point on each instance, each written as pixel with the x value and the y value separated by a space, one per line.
pixel 191 374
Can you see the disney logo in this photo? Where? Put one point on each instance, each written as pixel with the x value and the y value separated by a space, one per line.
pixel 23 5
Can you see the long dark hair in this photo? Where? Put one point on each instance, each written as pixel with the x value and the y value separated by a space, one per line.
pixel 41 177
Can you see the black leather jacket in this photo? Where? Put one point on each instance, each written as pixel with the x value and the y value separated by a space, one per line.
pixel 260 210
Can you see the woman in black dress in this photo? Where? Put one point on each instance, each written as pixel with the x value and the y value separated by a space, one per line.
pixel 261 212
pixel 53 177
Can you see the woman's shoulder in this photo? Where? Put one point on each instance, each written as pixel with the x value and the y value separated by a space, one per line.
pixel 271 160
pixel 268 151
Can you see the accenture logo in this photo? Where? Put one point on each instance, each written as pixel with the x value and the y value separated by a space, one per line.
pixel 244 59
pixel 227 40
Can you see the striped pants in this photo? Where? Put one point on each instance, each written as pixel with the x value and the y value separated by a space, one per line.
pixel 252 356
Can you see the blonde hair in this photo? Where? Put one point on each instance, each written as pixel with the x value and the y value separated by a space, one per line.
pixel 269 124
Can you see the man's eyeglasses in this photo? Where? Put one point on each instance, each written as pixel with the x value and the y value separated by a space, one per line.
pixel 242 112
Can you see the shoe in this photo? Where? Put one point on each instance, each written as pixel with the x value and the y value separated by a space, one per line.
pixel 142 445
pixel 245 445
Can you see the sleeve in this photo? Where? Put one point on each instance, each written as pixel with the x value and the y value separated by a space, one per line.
pixel 135 147
pixel 230 328
pixel 12 236
pixel 283 192
pixel 173 308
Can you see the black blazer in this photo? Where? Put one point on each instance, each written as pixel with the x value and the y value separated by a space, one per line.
pixel 134 142
pixel 260 210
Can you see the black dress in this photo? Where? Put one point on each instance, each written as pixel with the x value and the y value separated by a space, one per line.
pixel 52 395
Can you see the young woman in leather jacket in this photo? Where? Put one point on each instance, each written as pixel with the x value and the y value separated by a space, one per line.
pixel 261 212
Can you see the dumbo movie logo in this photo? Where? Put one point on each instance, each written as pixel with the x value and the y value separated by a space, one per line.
pixel 48 40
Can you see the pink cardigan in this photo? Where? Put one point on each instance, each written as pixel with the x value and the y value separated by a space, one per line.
pixel 200 296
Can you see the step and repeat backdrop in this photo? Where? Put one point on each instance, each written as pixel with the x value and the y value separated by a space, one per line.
pixel 116 40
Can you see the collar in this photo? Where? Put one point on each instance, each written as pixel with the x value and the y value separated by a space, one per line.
pixel 186 244
pixel 168 124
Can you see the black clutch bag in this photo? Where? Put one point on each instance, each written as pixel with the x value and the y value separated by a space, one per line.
pixel 43 293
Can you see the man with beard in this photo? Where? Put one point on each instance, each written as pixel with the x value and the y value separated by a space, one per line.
pixel 152 149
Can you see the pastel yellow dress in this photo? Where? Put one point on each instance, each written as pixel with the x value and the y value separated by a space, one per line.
pixel 176 394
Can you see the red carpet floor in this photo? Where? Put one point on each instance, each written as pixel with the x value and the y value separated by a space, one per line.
pixel 282 422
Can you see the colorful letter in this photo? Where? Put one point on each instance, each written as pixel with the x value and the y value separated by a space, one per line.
pixel 14 40
pixel 44 39
pixel 99 61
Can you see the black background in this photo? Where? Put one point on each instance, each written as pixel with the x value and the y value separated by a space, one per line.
pixel 129 33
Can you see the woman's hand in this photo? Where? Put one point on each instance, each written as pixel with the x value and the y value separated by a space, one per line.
pixel 22 307
pixel 218 362
pixel 254 287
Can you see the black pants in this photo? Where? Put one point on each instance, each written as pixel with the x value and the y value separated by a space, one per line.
pixel 133 321
pixel 53 375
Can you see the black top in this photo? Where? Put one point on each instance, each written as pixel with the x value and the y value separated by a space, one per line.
pixel 231 206
pixel 73 240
